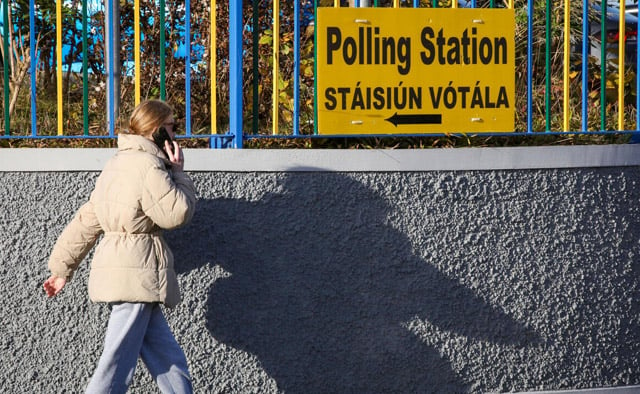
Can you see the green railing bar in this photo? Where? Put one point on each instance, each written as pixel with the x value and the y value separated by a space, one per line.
pixel 256 71
pixel 435 3
pixel 603 65
pixel 547 90
pixel 5 64
pixel 163 89
pixel 85 72
pixel 491 4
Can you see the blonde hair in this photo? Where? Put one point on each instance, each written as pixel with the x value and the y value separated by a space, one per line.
pixel 148 116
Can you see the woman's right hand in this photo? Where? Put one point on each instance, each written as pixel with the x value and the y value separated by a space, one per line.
pixel 54 285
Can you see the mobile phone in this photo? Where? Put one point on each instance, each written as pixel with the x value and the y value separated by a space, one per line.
pixel 160 136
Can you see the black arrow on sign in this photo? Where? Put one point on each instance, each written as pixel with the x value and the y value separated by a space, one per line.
pixel 415 119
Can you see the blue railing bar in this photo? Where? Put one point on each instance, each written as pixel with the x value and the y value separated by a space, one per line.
pixel 187 65
pixel 235 71
pixel 54 137
pixel 357 3
pixel 110 77
pixel 107 137
pixel 473 3
pixel 296 68
pixel 32 54
pixel 315 68
pixel 204 136
pixel 457 134
pixel 585 62
pixel 529 66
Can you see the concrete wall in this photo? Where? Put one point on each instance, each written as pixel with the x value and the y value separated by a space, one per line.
pixel 467 270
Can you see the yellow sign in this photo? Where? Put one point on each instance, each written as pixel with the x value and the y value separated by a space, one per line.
pixel 415 70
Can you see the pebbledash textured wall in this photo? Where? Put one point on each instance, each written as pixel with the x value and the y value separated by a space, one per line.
pixel 453 271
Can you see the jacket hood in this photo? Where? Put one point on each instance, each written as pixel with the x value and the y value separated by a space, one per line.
pixel 134 142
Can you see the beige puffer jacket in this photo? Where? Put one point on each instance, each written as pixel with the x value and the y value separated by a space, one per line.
pixel 135 197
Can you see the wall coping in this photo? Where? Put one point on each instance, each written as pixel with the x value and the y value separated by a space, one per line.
pixel 339 160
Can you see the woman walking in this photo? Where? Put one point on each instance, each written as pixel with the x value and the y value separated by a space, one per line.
pixel 142 191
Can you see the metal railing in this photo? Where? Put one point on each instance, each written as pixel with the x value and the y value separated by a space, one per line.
pixel 600 84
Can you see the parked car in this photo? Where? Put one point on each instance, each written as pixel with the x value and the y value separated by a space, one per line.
pixel 612 22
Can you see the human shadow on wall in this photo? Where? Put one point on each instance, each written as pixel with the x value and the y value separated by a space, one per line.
pixel 321 285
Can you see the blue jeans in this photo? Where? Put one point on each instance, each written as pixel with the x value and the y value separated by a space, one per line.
pixel 140 329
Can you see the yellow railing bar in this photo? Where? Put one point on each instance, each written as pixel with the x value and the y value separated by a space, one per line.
pixel 336 3
pixel 276 63
pixel 396 3
pixel 454 3
pixel 567 35
pixel 214 69
pixel 622 31
pixel 59 61
pixel 511 3
pixel 136 49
